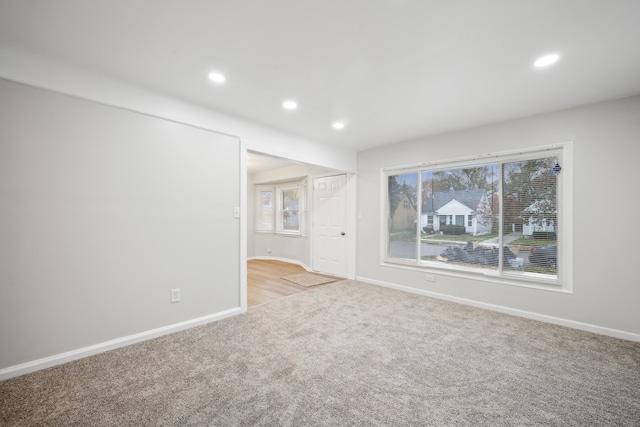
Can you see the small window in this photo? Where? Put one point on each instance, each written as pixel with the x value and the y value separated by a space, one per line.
pixel 290 199
pixel 265 211
pixel 281 208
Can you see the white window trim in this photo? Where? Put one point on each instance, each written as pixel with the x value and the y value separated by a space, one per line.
pixel 277 189
pixel 259 189
pixel 564 284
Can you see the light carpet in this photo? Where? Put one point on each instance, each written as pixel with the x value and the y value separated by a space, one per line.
pixel 345 354
pixel 308 279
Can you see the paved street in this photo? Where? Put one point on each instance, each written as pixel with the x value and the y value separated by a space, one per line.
pixel 408 249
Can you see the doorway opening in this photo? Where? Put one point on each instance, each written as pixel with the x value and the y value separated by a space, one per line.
pixel 286 250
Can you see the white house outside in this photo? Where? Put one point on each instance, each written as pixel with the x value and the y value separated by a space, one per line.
pixel 469 208
pixel 537 220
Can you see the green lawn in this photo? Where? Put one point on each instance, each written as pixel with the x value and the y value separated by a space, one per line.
pixel 534 242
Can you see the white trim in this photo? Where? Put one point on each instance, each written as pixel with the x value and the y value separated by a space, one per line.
pixel 510 279
pixel 384 210
pixel 244 207
pixel 565 198
pixel 59 359
pixel 616 333
pixel 478 158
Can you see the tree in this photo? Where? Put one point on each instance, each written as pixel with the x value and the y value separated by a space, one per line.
pixel 473 178
pixel 528 182
pixel 484 213
pixel 398 188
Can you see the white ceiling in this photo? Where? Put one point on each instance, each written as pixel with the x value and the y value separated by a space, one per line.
pixel 394 70
pixel 259 163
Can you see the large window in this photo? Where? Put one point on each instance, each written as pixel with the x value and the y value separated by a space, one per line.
pixel 496 215
pixel 281 208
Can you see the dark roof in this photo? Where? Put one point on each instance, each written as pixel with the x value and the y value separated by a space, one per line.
pixel 469 198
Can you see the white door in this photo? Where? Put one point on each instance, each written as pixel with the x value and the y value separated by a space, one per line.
pixel 330 225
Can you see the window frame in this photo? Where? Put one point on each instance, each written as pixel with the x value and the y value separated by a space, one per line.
pixel 277 221
pixel 260 225
pixel 564 280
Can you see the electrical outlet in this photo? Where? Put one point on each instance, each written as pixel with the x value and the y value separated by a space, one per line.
pixel 175 295
pixel 430 278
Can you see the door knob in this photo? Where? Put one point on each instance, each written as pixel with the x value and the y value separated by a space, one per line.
pixel 343 233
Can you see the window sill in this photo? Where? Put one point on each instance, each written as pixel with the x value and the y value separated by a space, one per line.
pixel 529 282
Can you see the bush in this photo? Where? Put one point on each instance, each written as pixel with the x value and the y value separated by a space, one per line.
pixel 544 235
pixel 453 229
pixel 428 229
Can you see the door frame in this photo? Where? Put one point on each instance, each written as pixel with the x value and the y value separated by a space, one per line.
pixel 350 215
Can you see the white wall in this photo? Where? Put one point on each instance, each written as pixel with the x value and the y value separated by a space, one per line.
pixel 606 151
pixel 103 211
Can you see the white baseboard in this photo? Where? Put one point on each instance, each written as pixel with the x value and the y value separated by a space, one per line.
pixel 290 261
pixel 58 359
pixel 515 312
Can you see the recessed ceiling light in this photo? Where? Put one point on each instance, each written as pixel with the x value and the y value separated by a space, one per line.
pixel 546 60
pixel 290 105
pixel 217 77
pixel 338 125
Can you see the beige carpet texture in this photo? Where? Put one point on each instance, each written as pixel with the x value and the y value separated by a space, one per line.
pixel 345 354
pixel 308 279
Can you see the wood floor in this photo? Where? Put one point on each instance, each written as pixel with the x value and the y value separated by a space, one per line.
pixel 265 281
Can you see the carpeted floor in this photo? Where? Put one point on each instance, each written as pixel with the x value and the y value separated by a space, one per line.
pixel 344 354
